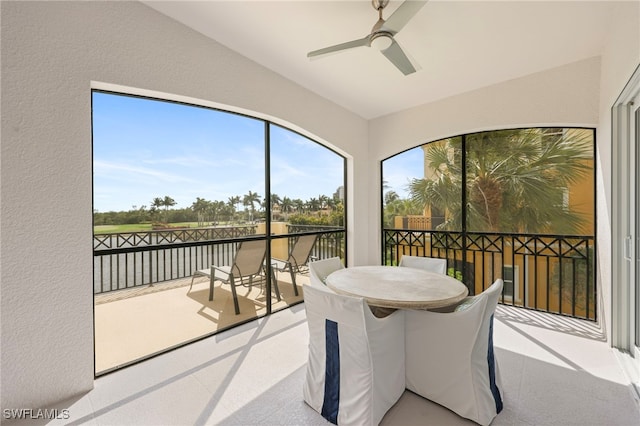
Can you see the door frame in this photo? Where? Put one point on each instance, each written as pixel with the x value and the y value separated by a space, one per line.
pixel 625 179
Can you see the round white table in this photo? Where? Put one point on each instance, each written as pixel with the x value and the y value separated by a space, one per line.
pixel 398 287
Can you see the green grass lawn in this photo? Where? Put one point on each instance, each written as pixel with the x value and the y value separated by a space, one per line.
pixel 136 227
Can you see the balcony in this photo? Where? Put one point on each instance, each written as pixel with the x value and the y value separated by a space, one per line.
pixel 555 370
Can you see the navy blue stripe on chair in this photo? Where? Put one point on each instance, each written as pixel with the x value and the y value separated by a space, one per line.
pixel 331 403
pixel 491 360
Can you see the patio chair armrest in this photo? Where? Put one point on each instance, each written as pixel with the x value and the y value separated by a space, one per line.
pixel 220 272
pixel 279 264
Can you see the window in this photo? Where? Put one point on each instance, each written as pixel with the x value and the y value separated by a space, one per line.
pixel 520 180
pixel 510 291
pixel 182 192
pixel 516 204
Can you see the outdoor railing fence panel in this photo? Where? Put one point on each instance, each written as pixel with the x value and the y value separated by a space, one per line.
pixel 328 244
pixel 550 273
pixel 135 262
pixel 178 235
pixel 331 239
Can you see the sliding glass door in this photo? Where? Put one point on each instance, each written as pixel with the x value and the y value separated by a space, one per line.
pixel 626 227
pixel 635 214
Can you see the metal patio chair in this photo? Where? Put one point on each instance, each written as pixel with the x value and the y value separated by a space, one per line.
pixel 248 263
pixel 298 258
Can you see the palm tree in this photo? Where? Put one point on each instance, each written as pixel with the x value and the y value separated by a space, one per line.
pixel 332 203
pixel 287 205
pixel 298 205
pixel 167 202
pixel 313 204
pixel 156 204
pixel 323 200
pixel 275 200
pixel 390 197
pixel 516 180
pixel 399 207
pixel 200 207
pixel 228 211
pixel 214 210
pixel 233 203
pixel 250 200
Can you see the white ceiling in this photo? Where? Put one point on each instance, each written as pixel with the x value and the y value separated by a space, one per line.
pixel 459 45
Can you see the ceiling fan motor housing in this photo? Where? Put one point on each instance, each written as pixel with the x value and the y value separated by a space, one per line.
pixel 379 4
pixel 381 40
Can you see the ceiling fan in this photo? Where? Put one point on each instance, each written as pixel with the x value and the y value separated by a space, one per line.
pixel 382 33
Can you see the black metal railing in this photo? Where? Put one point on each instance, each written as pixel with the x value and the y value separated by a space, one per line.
pixel 550 273
pixel 171 236
pixel 331 241
pixel 134 262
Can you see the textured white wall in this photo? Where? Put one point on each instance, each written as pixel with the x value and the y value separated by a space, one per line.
pixel 51 54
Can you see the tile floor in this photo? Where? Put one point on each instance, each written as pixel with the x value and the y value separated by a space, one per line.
pixel 555 370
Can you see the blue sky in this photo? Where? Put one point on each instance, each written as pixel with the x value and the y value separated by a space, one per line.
pixel 144 149
pixel 399 170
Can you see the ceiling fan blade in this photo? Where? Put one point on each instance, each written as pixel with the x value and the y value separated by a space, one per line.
pixel 339 47
pixel 395 54
pixel 402 15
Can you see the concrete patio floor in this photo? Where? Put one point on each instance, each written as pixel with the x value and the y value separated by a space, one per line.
pixel 139 322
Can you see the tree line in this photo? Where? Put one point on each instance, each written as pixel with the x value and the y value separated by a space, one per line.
pixel 248 208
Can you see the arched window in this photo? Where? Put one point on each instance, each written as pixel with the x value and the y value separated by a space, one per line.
pixel 207 217
pixel 517 204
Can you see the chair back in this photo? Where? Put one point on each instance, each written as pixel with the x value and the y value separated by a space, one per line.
pixel 355 371
pixel 302 250
pixel 490 296
pixel 461 373
pixel 483 353
pixel 249 258
pixel 427 263
pixel 493 294
pixel 338 346
pixel 319 270
pixel 348 311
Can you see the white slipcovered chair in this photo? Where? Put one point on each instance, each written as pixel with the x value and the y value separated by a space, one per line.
pixel 355 372
pixel 427 263
pixel 319 270
pixel 450 358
